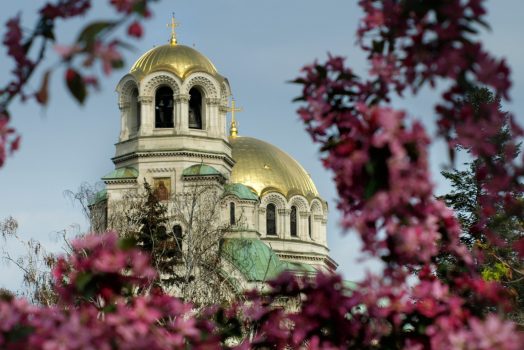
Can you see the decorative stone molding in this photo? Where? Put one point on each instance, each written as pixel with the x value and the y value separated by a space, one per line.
pixel 212 101
pixel 304 214
pixel 284 211
pixel 120 181
pixel 262 210
pixel 300 202
pixel 277 199
pixel 125 88
pixel 161 170
pixel 229 161
pixel 145 99
pixel 182 98
pixel 316 206
pixel 318 217
pixel 203 81
pixel 123 105
pixel 162 79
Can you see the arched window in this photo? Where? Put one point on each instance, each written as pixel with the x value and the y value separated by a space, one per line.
pixel 135 108
pixel 164 107
pixel 271 219
pixel 309 226
pixel 195 109
pixel 293 221
pixel 177 233
pixel 232 219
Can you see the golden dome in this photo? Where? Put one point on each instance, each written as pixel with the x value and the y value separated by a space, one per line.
pixel 178 59
pixel 263 167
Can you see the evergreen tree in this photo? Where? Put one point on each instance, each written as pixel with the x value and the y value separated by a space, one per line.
pixel 495 262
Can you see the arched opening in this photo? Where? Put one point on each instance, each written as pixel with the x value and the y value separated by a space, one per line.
pixel 309 227
pixel 195 109
pixel 177 233
pixel 164 107
pixel 232 219
pixel 271 219
pixel 136 110
pixel 293 221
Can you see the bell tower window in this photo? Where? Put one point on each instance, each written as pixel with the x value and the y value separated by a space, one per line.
pixel 309 228
pixel 177 233
pixel 271 219
pixel 135 107
pixel 195 109
pixel 164 107
pixel 293 221
pixel 232 219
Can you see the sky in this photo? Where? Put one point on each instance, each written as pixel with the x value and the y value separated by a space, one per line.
pixel 259 46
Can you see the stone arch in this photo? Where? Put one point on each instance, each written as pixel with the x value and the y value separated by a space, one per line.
pixel 124 89
pixel 155 80
pixel 273 197
pixel 299 201
pixel 205 82
pixel 316 207
pixel 225 92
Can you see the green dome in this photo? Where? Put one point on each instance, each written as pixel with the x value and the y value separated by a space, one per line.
pixel 200 169
pixel 254 259
pixel 122 173
pixel 241 191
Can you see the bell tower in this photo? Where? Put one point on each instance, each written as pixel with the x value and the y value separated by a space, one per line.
pixel 173 105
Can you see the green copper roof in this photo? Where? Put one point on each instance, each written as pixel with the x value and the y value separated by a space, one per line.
pixel 241 191
pixel 122 173
pixel 255 260
pixel 98 197
pixel 298 267
pixel 200 169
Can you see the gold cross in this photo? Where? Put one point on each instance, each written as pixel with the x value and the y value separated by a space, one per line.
pixel 173 25
pixel 233 130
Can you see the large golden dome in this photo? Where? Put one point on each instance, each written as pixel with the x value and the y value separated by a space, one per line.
pixel 179 59
pixel 264 168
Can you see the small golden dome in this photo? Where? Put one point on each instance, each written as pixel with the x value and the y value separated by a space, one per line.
pixel 263 167
pixel 178 59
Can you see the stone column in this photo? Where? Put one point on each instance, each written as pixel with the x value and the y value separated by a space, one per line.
pixel 283 224
pixel 181 113
pixel 223 130
pixel 212 117
pixel 124 127
pixel 147 115
pixel 262 222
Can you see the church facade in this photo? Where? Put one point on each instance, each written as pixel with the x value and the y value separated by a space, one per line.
pixel 174 135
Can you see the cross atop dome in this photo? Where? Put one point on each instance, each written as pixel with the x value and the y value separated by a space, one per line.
pixel 233 130
pixel 173 25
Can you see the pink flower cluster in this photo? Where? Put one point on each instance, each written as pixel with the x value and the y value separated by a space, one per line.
pixel 99 268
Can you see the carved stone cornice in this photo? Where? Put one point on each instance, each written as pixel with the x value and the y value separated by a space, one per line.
pixel 212 101
pixel 160 170
pixel 284 211
pixel 123 105
pixel 120 181
pixel 182 98
pixel 181 153
pixel 145 99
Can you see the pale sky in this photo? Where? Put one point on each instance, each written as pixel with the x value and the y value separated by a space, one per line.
pixel 258 46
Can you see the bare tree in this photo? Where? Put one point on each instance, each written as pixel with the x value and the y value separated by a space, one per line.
pixel 199 275
pixel 35 263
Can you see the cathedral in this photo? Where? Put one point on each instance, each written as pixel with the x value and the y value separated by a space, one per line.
pixel 174 135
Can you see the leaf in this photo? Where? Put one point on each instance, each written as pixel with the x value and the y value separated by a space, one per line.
pixel 42 96
pixel 76 85
pixel 127 243
pixel 90 32
pixel 83 280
